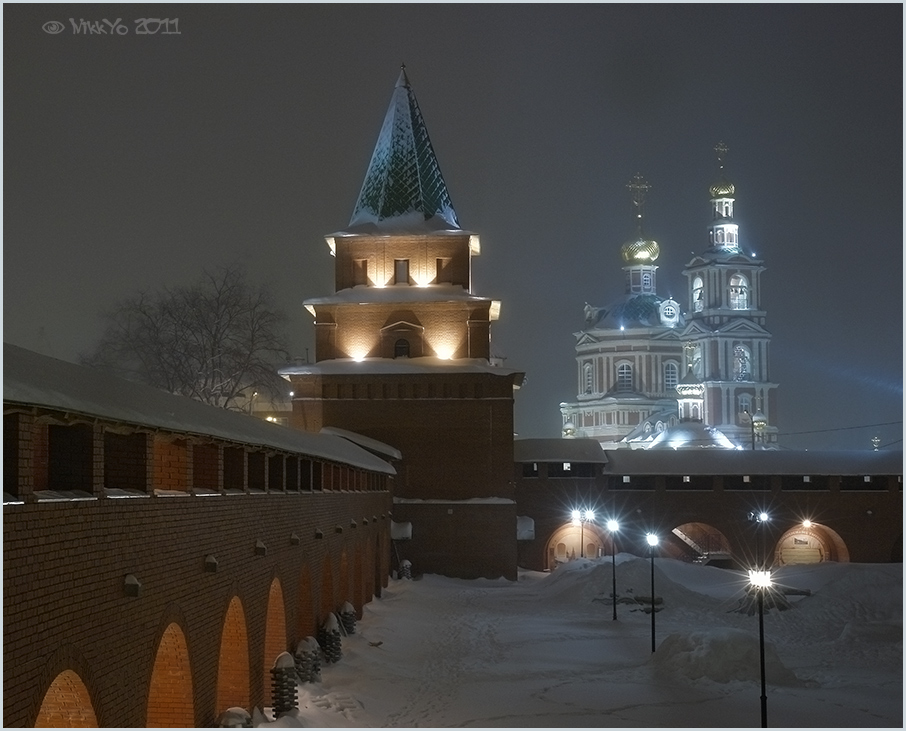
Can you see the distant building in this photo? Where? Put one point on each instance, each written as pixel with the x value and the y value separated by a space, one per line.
pixel 403 356
pixel 632 354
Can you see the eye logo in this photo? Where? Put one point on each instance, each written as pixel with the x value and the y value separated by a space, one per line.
pixel 53 27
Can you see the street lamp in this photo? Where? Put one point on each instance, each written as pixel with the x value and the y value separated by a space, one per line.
pixel 580 518
pixel 652 543
pixel 761 580
pixel 613 527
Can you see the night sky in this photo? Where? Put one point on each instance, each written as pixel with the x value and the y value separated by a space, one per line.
pixel 135 161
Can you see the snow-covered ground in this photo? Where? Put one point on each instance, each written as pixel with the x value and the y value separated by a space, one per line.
pixel 545 652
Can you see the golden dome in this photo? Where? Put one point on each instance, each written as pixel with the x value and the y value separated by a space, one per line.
pixel 723 189
pixel 640 251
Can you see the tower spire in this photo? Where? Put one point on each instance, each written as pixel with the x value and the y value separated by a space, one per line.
pixel 404 189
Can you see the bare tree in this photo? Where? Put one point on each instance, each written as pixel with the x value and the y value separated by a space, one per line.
pixel 214 341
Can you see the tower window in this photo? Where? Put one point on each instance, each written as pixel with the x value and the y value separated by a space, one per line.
pixel 698 294
pixel 360 271
pixel 588 373
pixel 443 271
pixel 646 281
pixel 739 292
pixel 401 271
pixel 741 360
pixel 624 377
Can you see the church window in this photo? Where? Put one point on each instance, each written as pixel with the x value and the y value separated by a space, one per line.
pixel 739 292
pixel 742 357
pixel 745 407
pixel 720 236
pixel 696 413
pixel 624 377
pixel 671 376
pixel 698 294
pixel 646 281
pixel 401 348
pixel 401 271
pixel 588 373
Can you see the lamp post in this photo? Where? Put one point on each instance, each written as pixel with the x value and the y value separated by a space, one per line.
pixel 761 580
pixel 759 423
pixel 652 542
pixel 613 527
pixel 580 518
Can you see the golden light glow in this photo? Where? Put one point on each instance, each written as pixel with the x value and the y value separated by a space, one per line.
pixel 806 523
pixel 445 343
pixel 760 578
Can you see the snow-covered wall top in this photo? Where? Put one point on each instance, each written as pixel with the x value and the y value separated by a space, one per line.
pixel 31 379
pixel 377 366
pixel 711 461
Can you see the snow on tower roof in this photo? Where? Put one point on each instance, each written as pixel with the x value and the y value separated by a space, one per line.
pixel 404 190
pixel 34 380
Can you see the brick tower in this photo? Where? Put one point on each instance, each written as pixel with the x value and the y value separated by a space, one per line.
pixel 403 356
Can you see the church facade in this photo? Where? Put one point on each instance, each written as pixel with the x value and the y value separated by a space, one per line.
pixel 403 357
pixel 639 357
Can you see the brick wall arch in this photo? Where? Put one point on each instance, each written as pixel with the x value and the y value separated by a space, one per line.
pixel 170 692
pixel 66 704
pixel 233 664
pixel 306 610
pixel 344 593
pixel 358 579
pixel 274 635
pixel 328 603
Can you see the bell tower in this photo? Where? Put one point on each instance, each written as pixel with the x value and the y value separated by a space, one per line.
pixel 403 357
pixel 726 343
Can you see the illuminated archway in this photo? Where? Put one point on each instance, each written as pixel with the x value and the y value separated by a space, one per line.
pixel 358 580
pixel 233 670
pixel 306 623
pixel 810 543
pixel 345 593
pixel 170 701
pixel 274 635
pixel 66 704
pixel 566 542
pixel 699 543
pixel 327 600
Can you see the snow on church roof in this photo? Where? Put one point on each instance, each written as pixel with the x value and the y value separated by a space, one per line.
pixel 404 190
pixel 31 379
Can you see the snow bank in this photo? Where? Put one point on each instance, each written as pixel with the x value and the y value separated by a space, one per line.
pixel 722 655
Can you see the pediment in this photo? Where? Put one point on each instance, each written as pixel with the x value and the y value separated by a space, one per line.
pixel 742 326
pixel 402 326
pixel 696 327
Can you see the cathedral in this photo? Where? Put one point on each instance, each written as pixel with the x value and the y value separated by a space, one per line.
pixel 403 357
pixel 653 375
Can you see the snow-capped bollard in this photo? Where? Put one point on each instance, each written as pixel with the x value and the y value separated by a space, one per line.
pixel 406 569
pixel 329 639
pixel 283 684
pixel 308 660
pixel 234 718
pixel 347 618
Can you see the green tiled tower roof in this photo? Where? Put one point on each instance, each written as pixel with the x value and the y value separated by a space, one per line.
pixel 404 188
